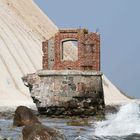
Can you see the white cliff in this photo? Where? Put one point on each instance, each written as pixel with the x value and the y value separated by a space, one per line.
pixel 23 27
pixel 112 95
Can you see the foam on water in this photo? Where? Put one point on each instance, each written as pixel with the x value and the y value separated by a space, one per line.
pixel 125 122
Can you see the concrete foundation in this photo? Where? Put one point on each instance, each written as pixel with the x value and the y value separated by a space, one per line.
pixel 67 92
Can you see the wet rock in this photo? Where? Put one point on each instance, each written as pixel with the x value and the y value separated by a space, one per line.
pixel 24 116
pixel 90 112
pixel 111 109
pixel 54 111
pixel 86 104
pixel 78 122
pixel 77 112
pixel 72 104
pixel 59 111
pixel 42 110
pixel 7 115
pixel 77 106
pixel 41 132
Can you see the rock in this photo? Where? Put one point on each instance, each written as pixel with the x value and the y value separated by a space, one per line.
pixel 72 104
pixel 41 132
pixel 7 115
pixel 42 110
pixel 111 109
pixel 86 104
pixel 78 122
pixel 24 116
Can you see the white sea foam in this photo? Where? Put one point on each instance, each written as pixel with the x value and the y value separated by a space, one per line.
pixel 125 122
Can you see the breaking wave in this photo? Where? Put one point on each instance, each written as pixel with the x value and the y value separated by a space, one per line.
pixel 125 122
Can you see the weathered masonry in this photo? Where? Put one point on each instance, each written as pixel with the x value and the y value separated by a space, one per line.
pixel 72 49
pixel 70 82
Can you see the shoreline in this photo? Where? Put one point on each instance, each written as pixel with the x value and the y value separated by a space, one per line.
pixel 8 113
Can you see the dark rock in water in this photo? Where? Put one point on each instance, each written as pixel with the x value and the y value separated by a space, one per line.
pixel 41 132
pixel 78 122
pixel 7 114
pixel 24 116
pixel 77 106
pixel 42 110
pixel 111 109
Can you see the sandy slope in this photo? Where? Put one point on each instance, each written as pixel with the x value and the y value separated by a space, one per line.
pixel 112 94
pixel 23 27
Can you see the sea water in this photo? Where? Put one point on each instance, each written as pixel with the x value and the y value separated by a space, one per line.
pixel 123 125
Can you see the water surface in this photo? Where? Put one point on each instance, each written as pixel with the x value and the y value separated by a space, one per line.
pixel 124 125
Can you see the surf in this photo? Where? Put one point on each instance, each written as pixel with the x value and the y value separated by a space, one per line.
pixel 125 122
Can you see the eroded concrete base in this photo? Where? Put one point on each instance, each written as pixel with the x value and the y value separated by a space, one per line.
pixel 67 92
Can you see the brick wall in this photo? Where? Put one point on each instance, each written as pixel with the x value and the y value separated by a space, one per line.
pixel 88 51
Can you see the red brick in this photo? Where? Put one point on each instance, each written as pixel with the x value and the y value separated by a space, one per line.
pixel 88 58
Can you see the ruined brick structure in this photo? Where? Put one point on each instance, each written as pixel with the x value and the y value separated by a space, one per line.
pixel 70 82
pixel 88 51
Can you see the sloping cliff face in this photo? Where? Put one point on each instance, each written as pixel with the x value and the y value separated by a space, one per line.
pixel 23 27
pixel 112 95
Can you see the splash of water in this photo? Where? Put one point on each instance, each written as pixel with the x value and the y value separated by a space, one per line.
pixel 125 122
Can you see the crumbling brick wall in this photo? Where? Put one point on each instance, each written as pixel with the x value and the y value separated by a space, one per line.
pixel 88 51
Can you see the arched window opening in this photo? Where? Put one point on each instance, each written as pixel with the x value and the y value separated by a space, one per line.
pixel 70 50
